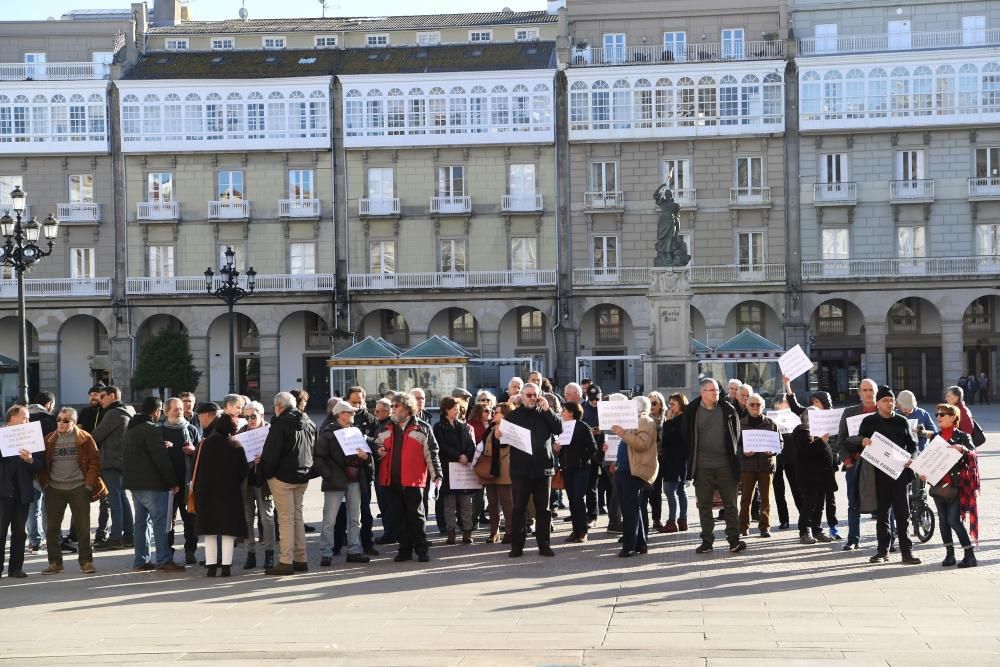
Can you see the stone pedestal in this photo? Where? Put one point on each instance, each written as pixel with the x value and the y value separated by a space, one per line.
pixel 670 365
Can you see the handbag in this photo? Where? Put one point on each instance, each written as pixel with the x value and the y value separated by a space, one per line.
pixel 978 437
pixel 194 475
pixel 946 491
pixel 558 482
pixel 483 466
pixel 352 472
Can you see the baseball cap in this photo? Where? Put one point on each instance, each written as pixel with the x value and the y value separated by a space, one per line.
pixel 208 406
pixel 343 406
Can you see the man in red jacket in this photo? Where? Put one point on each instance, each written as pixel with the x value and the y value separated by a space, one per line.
pixel 408 453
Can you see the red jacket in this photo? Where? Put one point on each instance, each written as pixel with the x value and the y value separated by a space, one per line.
pixel 419 454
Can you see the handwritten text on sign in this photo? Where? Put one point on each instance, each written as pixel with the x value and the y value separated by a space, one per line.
pixel 824 422
pixel 794 363
pixel 620 413
pixel 936 460
pixel 611 455
pixel 462 478
pixel 351 440
pixel 253 441
pixel 886 456
pixel 516 436
pixel 23 436
pixel 760 441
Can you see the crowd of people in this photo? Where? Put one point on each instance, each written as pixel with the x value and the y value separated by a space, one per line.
pixel 180 457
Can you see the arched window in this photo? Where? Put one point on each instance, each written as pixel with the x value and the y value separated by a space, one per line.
pixel 810 101
pixel 457 110
pixel 20 116
pixel 478 110
pixel 276 120
pixel 991 88
pixel 751 108
pixel 579 106
pixel 417 111
pixel 374 120
pixel 173 117
pixel 131 118
pixel 622 104
pixel 899 92
pixel 319 117
pixel 354 113
pixel 298 114
pixel 685 101
pixel 256 124
pixel 541 106
pixel 77 116
pixel 729 100
pixel 194 119
pixel 600 105
pixel 878 93
pixel 708 108
pixel 774 102
pixel 833 94
pixel 499 109
pixel 663 102
pixel 151 118
pixel 944 90
pixel 234 116
pixel 642 107
pixel 40 116
pixel 520 115
pixel 922 91
pixel 968 89
pixel 6 123
pixel 213 116
pixel 437 111
pixel 854 91
pixel 395 110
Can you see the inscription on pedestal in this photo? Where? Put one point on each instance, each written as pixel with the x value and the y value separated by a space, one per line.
pixel 671 375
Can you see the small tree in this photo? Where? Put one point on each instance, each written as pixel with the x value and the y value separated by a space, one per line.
pixel 165 362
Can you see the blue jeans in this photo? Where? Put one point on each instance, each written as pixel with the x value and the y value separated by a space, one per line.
pixel 677 500
pixel 121 511
pixel 331 505
pixel 853 511
pixel 151 521
pixel 36 517
pixel 950 519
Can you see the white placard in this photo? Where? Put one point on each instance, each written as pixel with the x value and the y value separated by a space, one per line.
pixel 761 441
pixel 480 447
pixel 516 436
pixel 824 422
pixel 22 436
pixel 914 423
pixel 886 455
pixel 794 363
pixel 854 423
pixel 785 420
pixel 566 436
pixel 620 413
pixel 253 441
pixel 936 460
pixel 462 478
pixel 611 455
pixel 351 440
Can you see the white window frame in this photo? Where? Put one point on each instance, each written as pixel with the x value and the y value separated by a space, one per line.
pixel 834 168
pixel 988 241
pixel 447 176
pixel 991 162
pixel 899 39
pixel 305 179
pixel 974 30
pixel 911 241
pixel 78 186
pixel 376 176
pixel 615 46
pixel 302 258
pixel 175 44
pixel 429 38
pixel 155 186
pixel 730 38
pixel 160 261
pixel 521 180
pixel 526 35
pixel 605 241
pixel 688 238
pixel 480 36
pixel 677 174
pixel 223 43
pixel 603 176
pixel 751 161
pixel 825 37
pixel 240 259
pixel 382 267
pixel 453 247
pixel 377 40
pixel 274 42
pixel 911 164
pixel 82 263
pixel 230 181
pixel 326 41
pixel 676 43
pixel 7 184
pixel 839 234
pixel 523 253
pixel 755 243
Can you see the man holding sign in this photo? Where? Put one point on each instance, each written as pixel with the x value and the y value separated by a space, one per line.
pixel 889 492
pixel 849 447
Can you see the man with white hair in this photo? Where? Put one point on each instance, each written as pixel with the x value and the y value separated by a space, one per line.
pixel 573 392
pixel 286 463
pixel 733 390
pixel 514 386
pixel 756 469
pixel 742 398
pixel 848 444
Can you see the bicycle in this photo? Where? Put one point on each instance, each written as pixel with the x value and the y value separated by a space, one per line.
pixel 922 517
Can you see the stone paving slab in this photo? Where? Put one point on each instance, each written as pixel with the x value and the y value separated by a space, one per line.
pixel 779 603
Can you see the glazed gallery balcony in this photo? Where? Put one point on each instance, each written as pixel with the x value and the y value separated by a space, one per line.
pixel 454 280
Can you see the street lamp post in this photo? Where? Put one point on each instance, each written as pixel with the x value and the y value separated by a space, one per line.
pixel 230 291
pixel 20 251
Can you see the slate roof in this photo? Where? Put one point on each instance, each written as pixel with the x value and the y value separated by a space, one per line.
pixel 7 363
pixel 748 341
pixel 327 62
pixel 435 347
pixel 354 24
pixel 369 348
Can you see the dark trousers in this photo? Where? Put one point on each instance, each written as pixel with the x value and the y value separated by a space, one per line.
pixel 577 483
pixel 406 504
pixel 179 501
pixel 831 507
pixel 593 477
pixel 780 502
pixel 103 512
pixel 13 517
pixel 614 505
pixel 811 509
pixel 892 495
pixel 367 521
pixel 655 497
pixel 632 494
pixel 523 489
pixel 78 501
pixel 388 531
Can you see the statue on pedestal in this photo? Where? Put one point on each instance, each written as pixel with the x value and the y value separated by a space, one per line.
pixel 671 251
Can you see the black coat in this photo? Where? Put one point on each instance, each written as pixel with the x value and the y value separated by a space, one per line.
pixel 288 450
pixel 732 434
pixel 16 477
pixel 814 460
pixel 674 462
pixel 581 448
pixel 454 440
pixel 329 461
pixel 218 487
pixel 543 424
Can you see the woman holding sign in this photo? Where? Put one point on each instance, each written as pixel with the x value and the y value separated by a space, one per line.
pixel 955 494
pixel 814 476
pixel 17 476
pixel 220 468
pixel 493 469
pixel 635 470
pixel 575 456
pixel 455 446
pixel 756 465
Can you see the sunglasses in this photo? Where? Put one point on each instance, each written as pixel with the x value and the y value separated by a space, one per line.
pixel 945 414
pixel 65 421
pixel 485 401
pixel 252 418
pixel 530 395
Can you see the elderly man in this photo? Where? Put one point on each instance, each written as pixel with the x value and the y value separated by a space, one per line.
pixel 368 425
pixel 925 429
pixel 850 449
pixel 514 386
pixel 181 438
pixel 207 413
pixel 573 392
pixel 286 463
pixel 342 476
pixel 383 415
pixel 71 476
pixel 711 428
pixel 108 435
pixel 257 504
pixel 733 391
pixel 409 458
pixel 420 400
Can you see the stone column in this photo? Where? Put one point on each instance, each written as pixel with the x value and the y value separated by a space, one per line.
pixel 201 363
pixel 268 355
pixel 875 367
pixel 489 343
pixel 121 365
pixel 671 365
pixel 48 368
pixel 952 351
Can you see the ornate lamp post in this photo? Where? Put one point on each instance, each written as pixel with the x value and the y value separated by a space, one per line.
pixel 20 251
pixel 231 292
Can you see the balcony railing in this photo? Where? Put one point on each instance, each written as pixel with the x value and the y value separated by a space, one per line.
pixel 158 210
pixel 228 210
pixel 917 190
pixel 298 208
pixel 451 205
pixel 53 71
pixel 59 287
pixel 515 203
pixel 984 188
pixel 406 281
pixel 900 267
pixel 605 276
pixel 78 212
pixel 604 200
pixel 750 197
pixel 309 282
pixel 835 194
pixel 370 207
pixel 694 53
pixel 944 39
pixel 723 274
pixel 686 197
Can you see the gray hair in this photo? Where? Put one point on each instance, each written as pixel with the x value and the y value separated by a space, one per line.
pixel 384 402
pixel 573 385
pixel 233 399
pixel 482 393
pixel 617 397
pixel 517 379
pixel 69 411
pixel 712 381
pixel 758 397
pixel 256 406
pixel 331 403
pixel 408 402
pixel 412 394
pixel 284 400
pixel 643 404
pixel 538 390
pixel 747 387
pixel 732 382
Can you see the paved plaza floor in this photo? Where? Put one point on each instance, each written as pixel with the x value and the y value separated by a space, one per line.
pixel 778 603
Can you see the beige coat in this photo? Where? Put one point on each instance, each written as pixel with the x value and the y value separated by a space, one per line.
pixel 490 450
pixel 642 459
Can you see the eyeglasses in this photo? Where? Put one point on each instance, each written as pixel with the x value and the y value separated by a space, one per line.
pixel 252 418
pixel 530 395
pixel 754 405
pixel 65 421
pixel 485 401
pixel 945 414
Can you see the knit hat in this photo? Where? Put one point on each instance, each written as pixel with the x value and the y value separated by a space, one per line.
pixel 824 399
pixel 884 392
pixel 906 400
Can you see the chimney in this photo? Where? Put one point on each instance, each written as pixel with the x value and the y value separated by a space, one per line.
pixel 135 40
pixel 167 12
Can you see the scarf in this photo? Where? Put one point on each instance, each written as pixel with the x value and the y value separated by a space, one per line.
pixel 180 425
pixel 968 488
